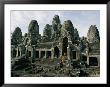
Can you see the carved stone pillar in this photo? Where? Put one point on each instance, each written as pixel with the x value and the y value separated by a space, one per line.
pixel 39 53
pixel 68 52
pixel 87 59
pixel 45 54
pixel 17 52
pixel 52 53
pixel 98 61
pixel 87 54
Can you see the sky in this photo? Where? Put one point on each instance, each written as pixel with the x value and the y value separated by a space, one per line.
pixel 81 19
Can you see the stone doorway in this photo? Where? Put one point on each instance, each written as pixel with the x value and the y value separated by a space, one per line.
pixel 56 52
pixel 93 61
pixel 14 53
pixel 48 54
pixel 18 52
pixel 42 54
pixel 29 53
pixel 74 54
pixel 84 58
pixel 64 46
pixel 36 54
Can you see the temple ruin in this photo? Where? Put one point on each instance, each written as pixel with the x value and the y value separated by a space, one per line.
pixel 58 40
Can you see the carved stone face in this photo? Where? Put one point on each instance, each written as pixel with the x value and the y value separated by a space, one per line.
pixel 33 27
pixel 93 34
pixel 67 24
pixel 56 19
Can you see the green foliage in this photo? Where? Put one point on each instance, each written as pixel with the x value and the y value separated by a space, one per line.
pixel 21 64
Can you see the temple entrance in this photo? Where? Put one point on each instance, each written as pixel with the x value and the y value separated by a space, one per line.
pixel 42 54
pixel 36 54
pixel 93 61
pixel 84 58
pixel 74 54
pixel 14 53
pixel 48 54
pixel 18 52
pixel 56 52
pixel 29 53
pixel 64 46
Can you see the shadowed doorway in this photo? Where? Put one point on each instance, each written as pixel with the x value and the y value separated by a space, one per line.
pixel 64 46
pixel 93 61
pixel 56 52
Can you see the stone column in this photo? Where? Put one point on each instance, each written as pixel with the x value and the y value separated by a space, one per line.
pixel 87 59
pixel 17 53
pixel 68 53
pixel 45 54
pixel 98 58
pixel 52 53
pixel 31 53
pixel 78 55
pixel 20 52
pixel 60 49
pixel 12 53
pixel 87 54
pixel 39 53
pixel 60 53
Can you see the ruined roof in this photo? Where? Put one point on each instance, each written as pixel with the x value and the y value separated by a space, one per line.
pixel 47 45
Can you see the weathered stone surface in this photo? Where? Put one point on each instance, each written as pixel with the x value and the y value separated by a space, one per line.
pixel 16 37
pixel 56 27
pixel 67 30
pixel 93 34
pixel 47 33
pixel 83 44
pixel 55 22
pixel 33 33
pixel 76 34
pixel 59 52
pixel 68 25
pixel 33 27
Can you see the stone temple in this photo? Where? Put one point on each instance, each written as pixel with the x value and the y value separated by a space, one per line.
pixel 58 40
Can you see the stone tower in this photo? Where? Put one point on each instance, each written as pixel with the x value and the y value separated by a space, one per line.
pixel 67 30
pixel 47 32
pixel 33 28
pixel 16 36
pixel 33 32
pixel 56 27
pixel 93 34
